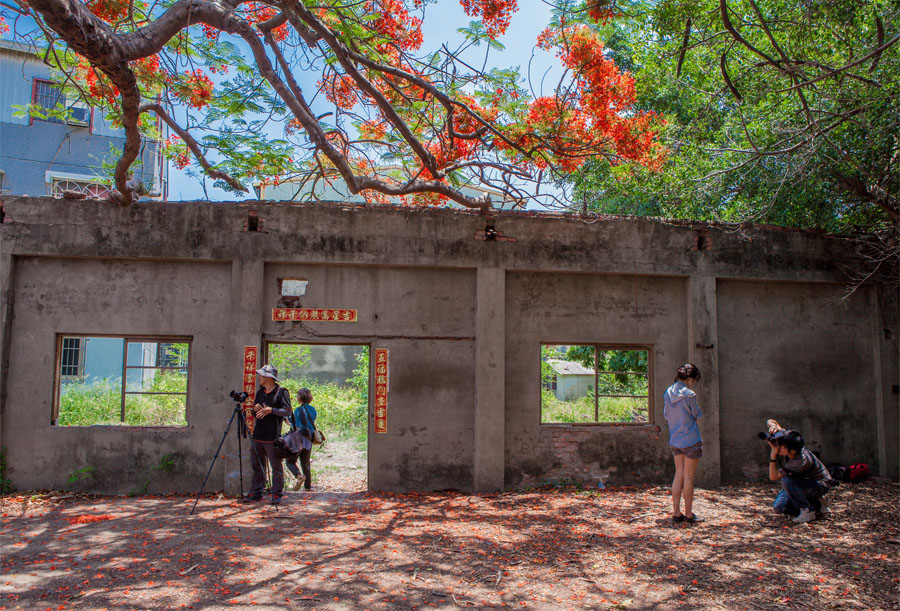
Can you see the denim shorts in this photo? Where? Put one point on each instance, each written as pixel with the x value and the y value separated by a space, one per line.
pixel 694 451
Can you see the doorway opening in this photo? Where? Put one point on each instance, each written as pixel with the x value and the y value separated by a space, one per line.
pixel 337 375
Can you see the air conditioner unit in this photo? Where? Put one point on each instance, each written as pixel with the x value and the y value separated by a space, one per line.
pixel 79 115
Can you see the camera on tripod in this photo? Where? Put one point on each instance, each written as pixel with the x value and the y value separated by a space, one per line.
pixel 240 397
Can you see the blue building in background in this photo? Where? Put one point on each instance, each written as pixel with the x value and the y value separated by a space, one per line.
pixel 48 157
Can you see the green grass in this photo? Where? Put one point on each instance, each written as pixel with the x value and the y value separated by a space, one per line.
pixel 341 412
pixel 100 403
pixel 611 409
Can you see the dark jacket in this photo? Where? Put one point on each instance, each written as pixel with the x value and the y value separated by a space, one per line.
pixel 269 427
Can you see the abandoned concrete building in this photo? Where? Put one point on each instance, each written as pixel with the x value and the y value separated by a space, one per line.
pixel 460 307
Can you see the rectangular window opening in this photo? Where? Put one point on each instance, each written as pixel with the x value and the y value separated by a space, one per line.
pixel 47 95
pixel 115 381
pixel 595 383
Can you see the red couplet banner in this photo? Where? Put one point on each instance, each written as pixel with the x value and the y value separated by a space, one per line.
pixel 314 314
pixel 251 356
pixel 381 389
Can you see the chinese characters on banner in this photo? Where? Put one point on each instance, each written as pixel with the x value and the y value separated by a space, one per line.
pixel 250 356
pixel 313 315
pixel 381 389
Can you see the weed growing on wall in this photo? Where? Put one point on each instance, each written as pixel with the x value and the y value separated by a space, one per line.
pixel 79 474
pixel 6 486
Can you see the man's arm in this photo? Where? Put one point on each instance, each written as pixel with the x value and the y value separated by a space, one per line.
pixel 773 463
pixel 283 408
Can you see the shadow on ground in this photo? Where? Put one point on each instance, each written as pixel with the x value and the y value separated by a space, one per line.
pixel 538 549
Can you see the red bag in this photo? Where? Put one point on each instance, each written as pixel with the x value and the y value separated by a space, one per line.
pixel 858 472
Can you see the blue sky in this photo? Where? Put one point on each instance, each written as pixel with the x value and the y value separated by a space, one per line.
pixel 440 25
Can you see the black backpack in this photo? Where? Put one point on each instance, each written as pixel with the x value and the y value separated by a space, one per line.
pixel 838 471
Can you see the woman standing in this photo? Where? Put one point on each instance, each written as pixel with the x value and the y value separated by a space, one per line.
pixel 681 412
pixel 304 418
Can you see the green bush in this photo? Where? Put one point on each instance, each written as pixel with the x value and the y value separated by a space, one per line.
pixel 86 404
pixel 341 410
pixel 100 403
pixel 610 409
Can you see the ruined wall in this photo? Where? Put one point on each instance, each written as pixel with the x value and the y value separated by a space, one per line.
pixel 588 308
pixel 806 355
pixel 425 318
pixel 760 311
pixel 112 297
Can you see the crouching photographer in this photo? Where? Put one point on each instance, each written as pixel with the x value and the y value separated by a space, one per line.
pixel 804 479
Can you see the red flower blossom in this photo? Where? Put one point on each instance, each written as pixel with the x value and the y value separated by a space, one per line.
pixel 192 88
pixel 495 14
pixel 109 11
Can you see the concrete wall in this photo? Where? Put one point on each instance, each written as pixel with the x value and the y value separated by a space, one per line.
pixel 759 311
pixel 112 297
pixel 812 365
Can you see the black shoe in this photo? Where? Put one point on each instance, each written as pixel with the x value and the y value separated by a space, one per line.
pixel 694 519
pixel 252 498
pixel 677 519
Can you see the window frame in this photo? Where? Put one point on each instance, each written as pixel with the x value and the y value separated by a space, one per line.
pixel 600 346
pixel 64 100
pixel 35 85
pixel 79 186
pixel 79 357
pixel 126 339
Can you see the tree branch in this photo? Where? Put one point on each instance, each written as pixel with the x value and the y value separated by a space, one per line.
pixel 193 145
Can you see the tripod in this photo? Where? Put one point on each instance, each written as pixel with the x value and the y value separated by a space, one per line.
pixel 240 430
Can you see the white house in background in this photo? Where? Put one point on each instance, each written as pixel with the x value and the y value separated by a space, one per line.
pixel 299 188
pixel 570 380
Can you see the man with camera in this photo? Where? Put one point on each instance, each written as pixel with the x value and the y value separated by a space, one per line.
pixel 271 404
pixel 804 479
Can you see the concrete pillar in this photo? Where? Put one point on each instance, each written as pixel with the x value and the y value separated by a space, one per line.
pixel 703 348
pixel 7 280
pixel 490 372
pixel 245 327
pixel 877 322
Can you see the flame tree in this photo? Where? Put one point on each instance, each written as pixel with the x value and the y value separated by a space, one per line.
pixel 352 88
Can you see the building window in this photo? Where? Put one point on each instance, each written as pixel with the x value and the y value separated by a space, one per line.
pixel 91 189
pixel 71 366
pixel 122 381
pixel 48 96
pixel 595 383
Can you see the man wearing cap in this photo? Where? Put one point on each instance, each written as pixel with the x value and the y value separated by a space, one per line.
pixel 272 403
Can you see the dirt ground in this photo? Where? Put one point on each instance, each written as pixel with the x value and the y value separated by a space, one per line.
pixel 341 548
